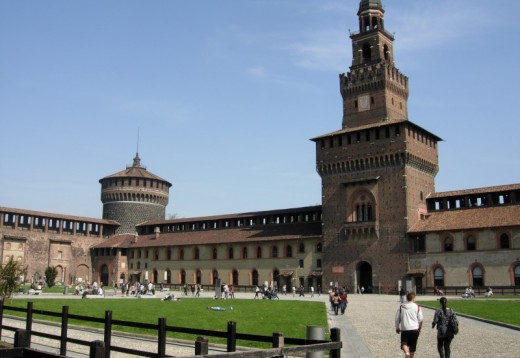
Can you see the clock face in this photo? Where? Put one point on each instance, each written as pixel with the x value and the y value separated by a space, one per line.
pixel 364 102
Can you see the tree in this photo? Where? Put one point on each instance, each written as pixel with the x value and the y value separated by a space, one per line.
pixel 10 274
pixel 50 275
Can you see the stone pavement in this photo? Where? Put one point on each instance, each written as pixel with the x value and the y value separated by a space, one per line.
pixel 367 330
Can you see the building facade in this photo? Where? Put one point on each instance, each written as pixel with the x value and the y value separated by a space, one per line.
pixel 380 223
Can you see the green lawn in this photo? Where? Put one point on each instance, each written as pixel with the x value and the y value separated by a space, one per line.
pixel 502 310
pixel 260 317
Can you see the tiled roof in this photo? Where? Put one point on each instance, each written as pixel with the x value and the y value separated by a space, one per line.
pixel 122 241
pixel 219 236
pixel 490 189
pixel 466 219
pixel 374 125
pixel 57 216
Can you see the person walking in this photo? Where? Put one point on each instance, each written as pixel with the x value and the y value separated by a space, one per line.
pixel 445 320
pixel 408 322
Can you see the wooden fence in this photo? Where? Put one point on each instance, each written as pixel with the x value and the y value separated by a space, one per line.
pixel 99 349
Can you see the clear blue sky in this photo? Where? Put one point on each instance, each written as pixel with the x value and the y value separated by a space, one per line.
pixel 227 94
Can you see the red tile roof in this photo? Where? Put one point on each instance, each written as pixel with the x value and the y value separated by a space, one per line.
pixel 219 236
pixel 466 219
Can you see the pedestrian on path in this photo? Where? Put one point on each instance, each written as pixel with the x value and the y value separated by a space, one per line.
pixel 408 322
pixel 445 320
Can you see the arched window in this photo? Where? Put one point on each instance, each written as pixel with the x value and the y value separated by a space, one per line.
pixel 301 248
pixel 471 243
pixel 362 208
pixel 438 277
pixel 504 241
pixel 215 253
pixel 274 251
pixel 244 252
pixel 215 276
pixel 448 244
pixel 168 254
pixel 231 253
pixel 517 275
pixel 367 52
pixel 181 254
pixel 156 254
pixel 288 251
pixel 478 276
pixel 235 277
pixel 259 252
pixel 196 253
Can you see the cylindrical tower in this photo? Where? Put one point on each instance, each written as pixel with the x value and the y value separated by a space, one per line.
pixel 133 196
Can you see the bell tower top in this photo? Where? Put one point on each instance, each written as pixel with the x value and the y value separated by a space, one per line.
pixel 374 91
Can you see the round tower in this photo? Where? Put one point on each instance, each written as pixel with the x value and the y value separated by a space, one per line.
pixel 133 196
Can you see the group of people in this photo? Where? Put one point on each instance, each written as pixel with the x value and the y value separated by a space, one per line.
pixel 338 300
pixel 409 321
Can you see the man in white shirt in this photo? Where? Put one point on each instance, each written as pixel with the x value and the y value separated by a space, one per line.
pixel 408 322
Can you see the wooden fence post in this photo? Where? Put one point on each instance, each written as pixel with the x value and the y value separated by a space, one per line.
pixel 64 328
pixel 201 346
pixel 97 349
pixel 231 336
pixel 108 333
pixel 22 339
pixel 335 336
pixel 29 319
pixel 278 341
pixel 161 340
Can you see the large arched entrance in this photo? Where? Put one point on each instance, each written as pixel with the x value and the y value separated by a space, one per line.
pixel 104 275
pixel 364 273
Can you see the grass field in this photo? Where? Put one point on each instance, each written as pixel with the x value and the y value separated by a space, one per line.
pixel 260 317
pixel 501 310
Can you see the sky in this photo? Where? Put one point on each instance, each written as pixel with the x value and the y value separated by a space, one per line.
pixel 221 98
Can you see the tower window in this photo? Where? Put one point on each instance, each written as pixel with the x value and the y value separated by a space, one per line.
pixel 367 52
pixel 355 104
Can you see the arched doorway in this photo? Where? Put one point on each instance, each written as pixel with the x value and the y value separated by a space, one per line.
pixel 276 279
pixel 254 277
pixel 198 277
pixel 364 272
pixel 235 278
pixel 155 276
pixel 104 275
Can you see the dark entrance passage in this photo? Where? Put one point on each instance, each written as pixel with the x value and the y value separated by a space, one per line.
pixel 104 275
pixel 365 277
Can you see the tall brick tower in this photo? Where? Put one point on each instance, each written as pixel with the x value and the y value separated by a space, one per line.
pixel 377 170
pixel 133 196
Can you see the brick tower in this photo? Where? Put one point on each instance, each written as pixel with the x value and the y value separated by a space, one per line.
pixel 133 196
pixel 377 170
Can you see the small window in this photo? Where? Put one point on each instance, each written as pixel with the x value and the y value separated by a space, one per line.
pixel 448 244
pixel 258 252
pixel 301 248
pixel 318 263
pixel 244 253
pixel 504 241
pixel 274 251
pixel 215 253
pixel 300 263
pixel 289 251
pixel 231 253
pixel 471 243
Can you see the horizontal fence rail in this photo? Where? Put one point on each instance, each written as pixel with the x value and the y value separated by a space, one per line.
pixel 103 348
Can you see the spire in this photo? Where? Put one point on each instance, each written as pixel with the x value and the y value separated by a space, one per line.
pixel 137 161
